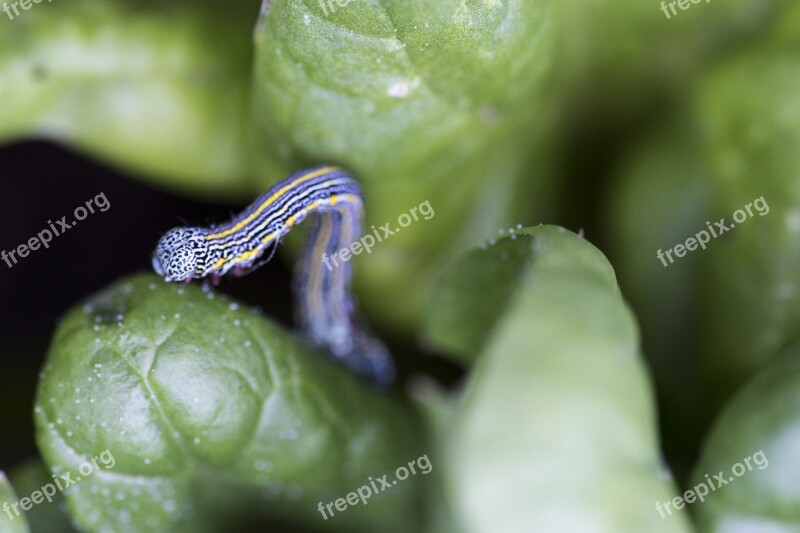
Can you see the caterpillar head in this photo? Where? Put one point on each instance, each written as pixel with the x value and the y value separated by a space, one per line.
pixel 180 254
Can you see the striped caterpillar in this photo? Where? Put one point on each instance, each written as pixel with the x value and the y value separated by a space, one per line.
pixel 324 304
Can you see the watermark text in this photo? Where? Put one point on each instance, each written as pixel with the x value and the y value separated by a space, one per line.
pixel 61 225
pixel 363 493
pixel 62 481
pixel 701 490
pixel 369 240
pixel 703 237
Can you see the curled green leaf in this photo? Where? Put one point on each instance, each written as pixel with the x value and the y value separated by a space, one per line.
pixel 556 429
pixel 472 296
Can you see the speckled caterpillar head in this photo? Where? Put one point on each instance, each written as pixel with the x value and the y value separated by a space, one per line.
pixel 181 254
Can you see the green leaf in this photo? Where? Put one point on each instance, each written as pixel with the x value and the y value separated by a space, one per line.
pixel 472 296
pixel 9 521
pixel 557 429
pixel 210 413
pixel 159 88
pixel 746 107
pixel 424 100
pixel 760 431
pixel 49 516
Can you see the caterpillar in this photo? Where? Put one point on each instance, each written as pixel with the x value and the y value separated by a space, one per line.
pixel 324 305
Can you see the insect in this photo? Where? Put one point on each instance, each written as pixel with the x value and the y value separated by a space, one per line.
pixel 325 308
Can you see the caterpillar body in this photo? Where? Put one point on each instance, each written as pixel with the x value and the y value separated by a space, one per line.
pixel 325 307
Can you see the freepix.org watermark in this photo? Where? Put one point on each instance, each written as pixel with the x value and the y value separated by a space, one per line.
pixel 682 4
pixel 703 237
pixel 701 490
pixel 44 237
pixel 24 4
pixel 369 240
pixel 61 482
pixel 330 5
pixel 366 491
